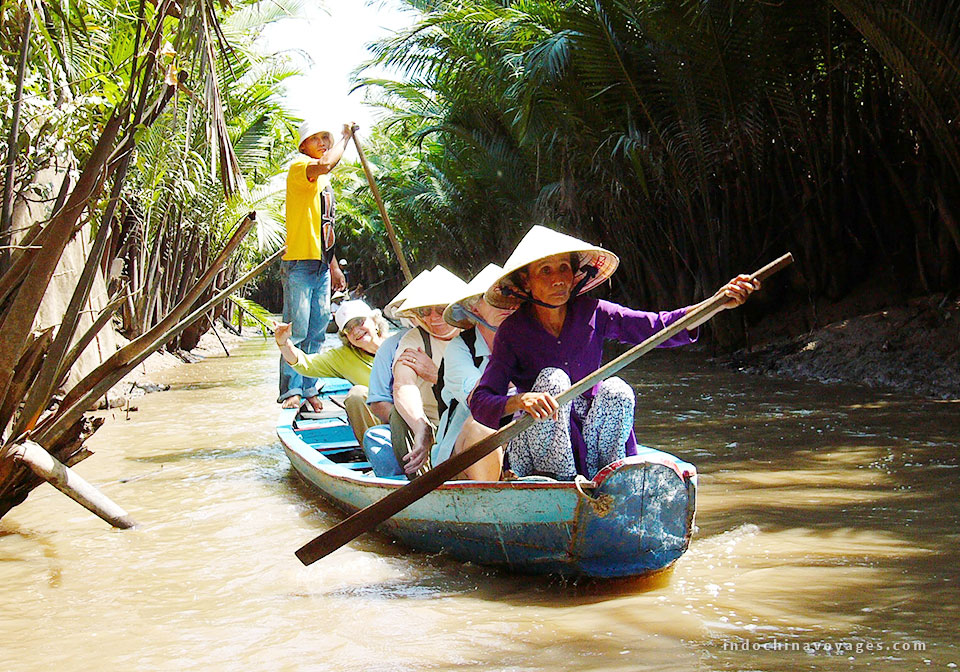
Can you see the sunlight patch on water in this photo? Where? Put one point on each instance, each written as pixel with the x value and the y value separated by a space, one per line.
pixel 803 534
pixel 784 582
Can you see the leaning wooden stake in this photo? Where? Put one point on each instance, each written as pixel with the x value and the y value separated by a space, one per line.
pixel 67 481
pixel 383 209
pixel 368 518
pixel 50 433
pixel 217 334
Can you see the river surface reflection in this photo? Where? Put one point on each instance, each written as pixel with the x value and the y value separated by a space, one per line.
pixel 828 536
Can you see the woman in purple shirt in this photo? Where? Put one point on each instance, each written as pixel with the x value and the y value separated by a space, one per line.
pixel 557 336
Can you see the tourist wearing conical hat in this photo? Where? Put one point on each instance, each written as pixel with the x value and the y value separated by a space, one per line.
pixel 417 386
pixel 380 396
pixel 463 363
pixel 556 336
pixel 377 442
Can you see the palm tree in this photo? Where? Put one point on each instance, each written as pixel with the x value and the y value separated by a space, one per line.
pixel 82 49
pixel 176 213
pixel 697 138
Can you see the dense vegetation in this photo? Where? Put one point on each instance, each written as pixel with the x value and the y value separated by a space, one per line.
pixel 695 138
pixel 153 127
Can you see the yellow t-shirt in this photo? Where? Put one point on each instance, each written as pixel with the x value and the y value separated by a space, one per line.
pixel 343 362
pixel 304 212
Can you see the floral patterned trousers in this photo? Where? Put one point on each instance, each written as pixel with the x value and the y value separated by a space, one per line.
pixel 546 449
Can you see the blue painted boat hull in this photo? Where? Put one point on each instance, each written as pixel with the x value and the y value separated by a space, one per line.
pixel 636 520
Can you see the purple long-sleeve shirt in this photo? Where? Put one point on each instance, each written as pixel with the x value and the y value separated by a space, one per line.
pixel 522 348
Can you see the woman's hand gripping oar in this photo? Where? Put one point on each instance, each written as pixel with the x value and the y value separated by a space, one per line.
pixel 368 518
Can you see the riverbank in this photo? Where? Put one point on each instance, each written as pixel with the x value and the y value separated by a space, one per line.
pixel 142 380
pixel 912 348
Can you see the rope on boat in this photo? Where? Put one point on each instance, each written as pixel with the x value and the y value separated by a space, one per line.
pixel 601 505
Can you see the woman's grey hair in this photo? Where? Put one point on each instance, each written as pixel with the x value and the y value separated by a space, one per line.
pixel 470 304
pixel 383 328
pixel 519 276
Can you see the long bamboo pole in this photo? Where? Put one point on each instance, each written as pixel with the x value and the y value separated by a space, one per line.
pixel 383 209
pixel 368 518
pixel 67 481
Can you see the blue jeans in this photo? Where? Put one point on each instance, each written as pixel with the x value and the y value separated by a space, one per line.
pixel 379 451
pixel 306 304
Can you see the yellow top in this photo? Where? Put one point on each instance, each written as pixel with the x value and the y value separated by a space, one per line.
pixel 342 362
pixel 304 210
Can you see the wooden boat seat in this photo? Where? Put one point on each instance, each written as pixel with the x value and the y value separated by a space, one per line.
pixel 337 451
pixel 329 411
pixel 332 408
pixel 327 448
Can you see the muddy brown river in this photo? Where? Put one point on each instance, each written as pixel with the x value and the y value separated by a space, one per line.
pixel 827 540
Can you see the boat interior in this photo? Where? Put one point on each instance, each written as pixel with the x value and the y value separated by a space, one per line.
pixel 328 432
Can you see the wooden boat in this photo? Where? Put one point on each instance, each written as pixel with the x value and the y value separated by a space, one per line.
pixel 635 518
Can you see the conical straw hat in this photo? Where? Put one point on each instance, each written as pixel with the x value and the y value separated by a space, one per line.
pixel 476 287
pixel 440 287
pixel 540 243
pixel 394 304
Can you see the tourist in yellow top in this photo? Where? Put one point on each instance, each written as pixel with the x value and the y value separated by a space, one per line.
pixel 309 267
pixel 362 330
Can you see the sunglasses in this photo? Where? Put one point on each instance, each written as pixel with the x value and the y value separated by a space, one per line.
pixel 355 323
pixel 427 310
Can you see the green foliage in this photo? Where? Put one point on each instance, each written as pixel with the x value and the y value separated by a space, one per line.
pixel 254 315
pixel 149 114
pixel 225 130
pixel 198 167
pixel 694 138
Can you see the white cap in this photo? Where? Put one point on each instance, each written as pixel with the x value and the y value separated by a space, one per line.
pixel 309 128
pixel 351 309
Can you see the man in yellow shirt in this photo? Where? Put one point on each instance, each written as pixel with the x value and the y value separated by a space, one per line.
pixel 310 267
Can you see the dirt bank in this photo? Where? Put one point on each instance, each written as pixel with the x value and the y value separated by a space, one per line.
pixel 912 348
pixel 140 381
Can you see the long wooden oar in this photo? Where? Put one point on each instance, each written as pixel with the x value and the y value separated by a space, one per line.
pixel 368 518
pixel 383 210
